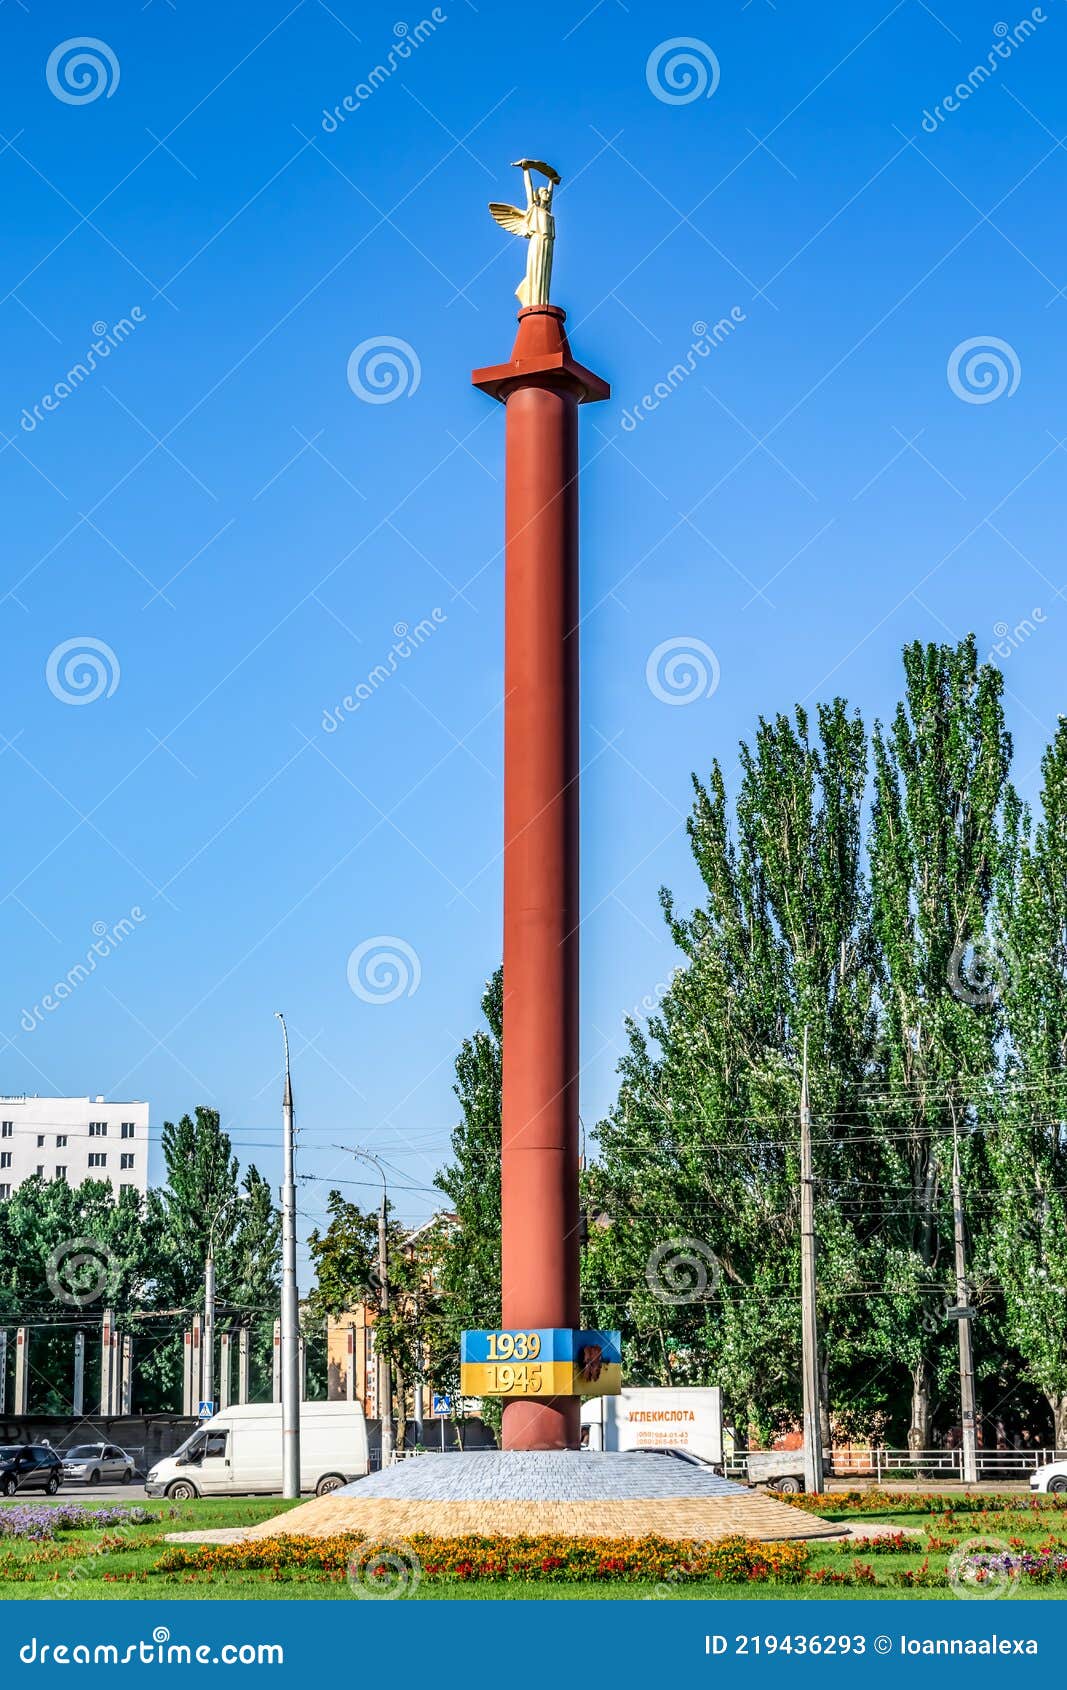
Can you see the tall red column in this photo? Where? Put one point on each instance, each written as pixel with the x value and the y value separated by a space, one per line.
pixel 541 389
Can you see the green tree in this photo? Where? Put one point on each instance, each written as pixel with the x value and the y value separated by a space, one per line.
pixel 938 837
pixel 347 1275
pixel 694 1246
pixel 66 1254
pixel 204 1194
pixel 470 1268
pixel 1028 1236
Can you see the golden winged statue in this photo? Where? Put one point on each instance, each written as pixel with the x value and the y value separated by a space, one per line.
pixel 537 225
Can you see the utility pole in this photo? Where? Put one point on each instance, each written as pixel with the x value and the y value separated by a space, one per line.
pixel 290 1323
pixel 22 1372
pixel 418 1401
pixel 962 1315
pixel 208 1386
pixel 78 1397
pixel 242 1365
pixel 385 1383
pixel 813 1454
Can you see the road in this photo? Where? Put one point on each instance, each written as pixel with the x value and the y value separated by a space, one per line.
pixel 94 1493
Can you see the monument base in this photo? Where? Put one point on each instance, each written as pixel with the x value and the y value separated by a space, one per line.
pixel 522 1493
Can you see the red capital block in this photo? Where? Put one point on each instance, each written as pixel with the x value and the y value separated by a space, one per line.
pixel 542 354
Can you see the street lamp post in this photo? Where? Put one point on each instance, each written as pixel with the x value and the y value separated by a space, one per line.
pixel 290 1310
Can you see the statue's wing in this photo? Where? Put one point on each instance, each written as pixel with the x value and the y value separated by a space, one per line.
pixel 509 217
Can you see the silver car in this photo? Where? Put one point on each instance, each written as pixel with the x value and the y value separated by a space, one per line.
pixel 95 1464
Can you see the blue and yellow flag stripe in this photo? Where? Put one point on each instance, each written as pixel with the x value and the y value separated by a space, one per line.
pixel 540 1362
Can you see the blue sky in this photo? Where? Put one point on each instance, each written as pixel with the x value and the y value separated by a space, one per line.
pixel 240 532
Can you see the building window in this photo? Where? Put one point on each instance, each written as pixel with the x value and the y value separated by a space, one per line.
pixel 61 1172
pixel 127 1129
pixel 98 1158
pixel 5 1191
pixel 6 1129
pixel 40 1170
pixel 97 1129
pixel 126 1159
pixel 61 1141
pixel 125 1187
pixel 40 1140
pixel 5 1159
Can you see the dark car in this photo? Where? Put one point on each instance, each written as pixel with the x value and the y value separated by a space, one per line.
pixel 29 1467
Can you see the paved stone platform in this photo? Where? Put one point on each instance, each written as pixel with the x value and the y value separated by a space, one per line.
pixel 568 1475
pixel 513 1493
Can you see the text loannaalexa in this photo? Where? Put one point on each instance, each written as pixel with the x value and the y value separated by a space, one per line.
pixel 968 1645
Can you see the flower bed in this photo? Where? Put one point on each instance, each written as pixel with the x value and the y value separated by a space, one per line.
pixel 393 1567
pixel 36 1524
pixel 1043 1567
pixel 890 1543
pixel 922 1502
pixel 647 1560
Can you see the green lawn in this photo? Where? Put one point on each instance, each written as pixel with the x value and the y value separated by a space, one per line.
pixel 120 1563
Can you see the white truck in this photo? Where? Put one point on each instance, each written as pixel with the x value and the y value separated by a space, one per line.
pixel 686 1417
pixel 777 1469
pixel 239 1452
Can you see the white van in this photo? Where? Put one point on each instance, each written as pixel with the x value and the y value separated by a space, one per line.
pixel 239 1452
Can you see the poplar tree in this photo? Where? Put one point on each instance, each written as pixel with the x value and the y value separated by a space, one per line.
pixel 695 1187
pixel 938 838
pixel 470 1269
pixel 1028 1151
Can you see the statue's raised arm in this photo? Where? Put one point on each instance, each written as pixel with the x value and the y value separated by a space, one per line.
pixel 537 225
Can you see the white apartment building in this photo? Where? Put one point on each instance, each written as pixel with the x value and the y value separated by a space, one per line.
pixel 73 1139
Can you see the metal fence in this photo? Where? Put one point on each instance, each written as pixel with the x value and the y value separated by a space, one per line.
pixel 882 1465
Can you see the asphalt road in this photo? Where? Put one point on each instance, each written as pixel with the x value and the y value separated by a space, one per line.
pixel 94 1493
